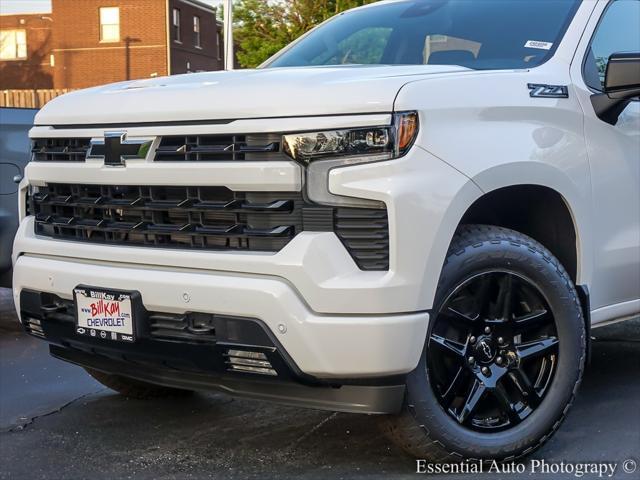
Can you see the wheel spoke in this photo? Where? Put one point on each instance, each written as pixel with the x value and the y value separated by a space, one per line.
pixel 505 298
pixel 531 320
pixel 447 345
pixel 506 405
pixel 471 403
pixel 454 387
pixel 528 392
pixel 482 294
pixel 537 348
pixel 464 320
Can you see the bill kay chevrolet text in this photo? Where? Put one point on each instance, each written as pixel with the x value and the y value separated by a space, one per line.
pixel 417 210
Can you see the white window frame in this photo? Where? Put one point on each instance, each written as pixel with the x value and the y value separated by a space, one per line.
pixel 197 37
pixel 18 50
pixel 176 18
pixel 104 12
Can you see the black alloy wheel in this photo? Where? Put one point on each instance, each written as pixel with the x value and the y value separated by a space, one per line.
pixel 503 355
pixel 492 351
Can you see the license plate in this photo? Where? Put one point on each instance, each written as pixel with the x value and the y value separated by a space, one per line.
pixel 104 315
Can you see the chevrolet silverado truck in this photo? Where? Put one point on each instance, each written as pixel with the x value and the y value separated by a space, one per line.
pixel 417 210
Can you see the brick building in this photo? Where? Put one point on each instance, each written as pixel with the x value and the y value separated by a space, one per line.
pixel 92 42
pixel 25 51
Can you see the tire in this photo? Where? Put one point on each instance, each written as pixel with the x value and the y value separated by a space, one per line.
pixel 134 388
pixel 506 261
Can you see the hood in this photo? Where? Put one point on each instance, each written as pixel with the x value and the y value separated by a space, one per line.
pixel 239 94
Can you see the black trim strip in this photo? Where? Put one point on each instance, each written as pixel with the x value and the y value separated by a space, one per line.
pixel 585 301
pixel 371 399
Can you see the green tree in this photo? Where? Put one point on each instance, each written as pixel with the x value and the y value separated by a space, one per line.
pixel 263 27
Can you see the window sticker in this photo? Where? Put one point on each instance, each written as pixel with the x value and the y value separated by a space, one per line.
pixel 538 45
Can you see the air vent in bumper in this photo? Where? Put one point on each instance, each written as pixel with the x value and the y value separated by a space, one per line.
pixel 365 233
pixel 246 361
pixel 34 327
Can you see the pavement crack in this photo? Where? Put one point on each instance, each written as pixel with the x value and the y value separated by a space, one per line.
pixel 30 420
pixel 293 445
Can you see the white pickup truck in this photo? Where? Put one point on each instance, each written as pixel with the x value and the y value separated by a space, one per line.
pixel 419 209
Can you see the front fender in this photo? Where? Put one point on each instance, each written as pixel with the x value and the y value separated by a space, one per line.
pixel 488 127
pixel 547 175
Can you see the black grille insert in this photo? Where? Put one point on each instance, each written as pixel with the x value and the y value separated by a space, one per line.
pixel 207 148
pixel 60 149
pixel 210 218
pixel 187 217
pixel 189 148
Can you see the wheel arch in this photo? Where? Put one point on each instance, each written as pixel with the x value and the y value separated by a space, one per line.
pixel 542 186
pixel 537 211
pixel 530 182
pixel 551 196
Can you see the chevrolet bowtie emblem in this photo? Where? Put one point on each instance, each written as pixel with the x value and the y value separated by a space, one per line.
pixel 115 149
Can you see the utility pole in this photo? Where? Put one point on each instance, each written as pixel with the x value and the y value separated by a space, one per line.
pixel 228 35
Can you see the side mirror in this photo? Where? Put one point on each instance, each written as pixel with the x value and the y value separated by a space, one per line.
pixel 621 84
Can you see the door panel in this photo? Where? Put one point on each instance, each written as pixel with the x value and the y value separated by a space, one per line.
pixel 614 157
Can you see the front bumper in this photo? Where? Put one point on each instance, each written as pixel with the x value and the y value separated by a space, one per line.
pixel 321 346
pixel 211 358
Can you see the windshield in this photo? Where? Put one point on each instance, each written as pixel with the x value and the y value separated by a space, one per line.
pixel 478 34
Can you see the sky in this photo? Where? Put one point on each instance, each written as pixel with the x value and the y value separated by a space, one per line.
pixel 43 6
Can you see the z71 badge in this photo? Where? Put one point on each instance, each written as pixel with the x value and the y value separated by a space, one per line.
pixel 548 91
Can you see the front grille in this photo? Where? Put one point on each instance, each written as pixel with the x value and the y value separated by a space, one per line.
pixel 208 148
pixel 60 149
pixel 187 217
pixel 208 218
pixel 189 148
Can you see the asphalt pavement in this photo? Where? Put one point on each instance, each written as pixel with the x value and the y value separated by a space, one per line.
pixel 57 423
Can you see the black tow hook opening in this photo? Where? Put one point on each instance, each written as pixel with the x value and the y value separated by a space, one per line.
pixel 53 308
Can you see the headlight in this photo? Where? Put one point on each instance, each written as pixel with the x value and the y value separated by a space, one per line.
pixel 321 152
pixel 383 143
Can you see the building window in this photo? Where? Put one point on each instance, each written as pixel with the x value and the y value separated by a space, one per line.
pixel 196 32
pixel 177 34
pixel 13 44
pixel 110 24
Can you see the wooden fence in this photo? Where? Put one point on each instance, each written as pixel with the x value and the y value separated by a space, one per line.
pixel 28 98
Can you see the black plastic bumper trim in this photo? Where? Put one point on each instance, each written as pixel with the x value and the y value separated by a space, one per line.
pixel 585 300
pixel 386 399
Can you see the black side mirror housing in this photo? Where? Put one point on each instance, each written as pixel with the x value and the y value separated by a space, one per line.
pixel 621 84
